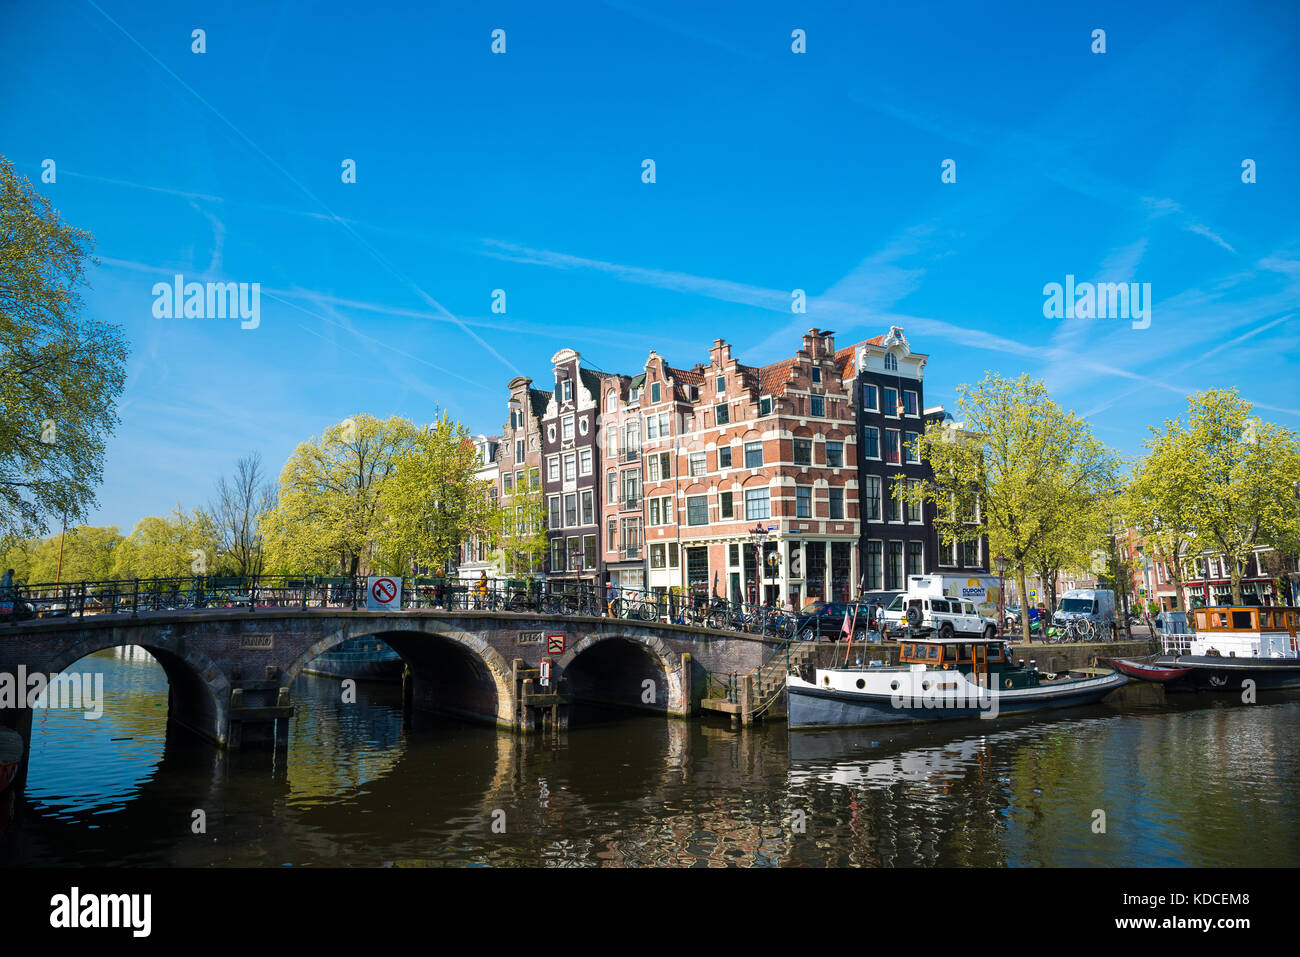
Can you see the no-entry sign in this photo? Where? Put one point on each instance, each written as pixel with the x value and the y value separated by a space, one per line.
pixel 383 594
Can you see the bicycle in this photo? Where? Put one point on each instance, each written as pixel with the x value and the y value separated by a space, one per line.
pixel 1080 629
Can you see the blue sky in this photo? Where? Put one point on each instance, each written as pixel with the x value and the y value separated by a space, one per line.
pixel 775 171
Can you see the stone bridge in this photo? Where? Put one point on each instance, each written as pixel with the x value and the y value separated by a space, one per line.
pixel 230 670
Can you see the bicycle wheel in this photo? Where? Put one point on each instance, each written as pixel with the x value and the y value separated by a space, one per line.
pixel 646 611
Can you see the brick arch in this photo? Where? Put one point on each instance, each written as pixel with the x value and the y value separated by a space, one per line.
pixel 200 689
pixel 478 649
pixel 657 648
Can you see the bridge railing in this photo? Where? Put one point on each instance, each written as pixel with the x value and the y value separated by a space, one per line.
pixel 553 596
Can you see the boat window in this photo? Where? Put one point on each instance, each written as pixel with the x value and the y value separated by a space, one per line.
pixel 1241 619
pixel 907 651
pixel 995 653
pixel 933 652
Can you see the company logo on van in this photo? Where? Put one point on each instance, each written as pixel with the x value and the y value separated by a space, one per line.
pixel 974 590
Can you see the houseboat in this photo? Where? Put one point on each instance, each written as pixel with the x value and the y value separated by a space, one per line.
pixel 940 679
pixel 365 659
pixel 1228 646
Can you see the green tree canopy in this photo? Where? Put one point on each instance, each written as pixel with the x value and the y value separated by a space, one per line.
pixel 330 515
pixel 60 374
pixel 1019 469
pixel 1232 478
pixel 178 546
pixel 434 500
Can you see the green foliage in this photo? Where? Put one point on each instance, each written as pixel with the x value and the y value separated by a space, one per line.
pixel 181 545
pixel 434 499
pixel 1229 479
pixel 330 514
pixel 519 530
pixel 60 374
pixel 1021 470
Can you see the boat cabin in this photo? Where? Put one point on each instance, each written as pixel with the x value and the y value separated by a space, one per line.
pixel 1245 632
pixel 967 656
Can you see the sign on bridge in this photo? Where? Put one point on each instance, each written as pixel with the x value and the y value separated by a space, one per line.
pixel 383 594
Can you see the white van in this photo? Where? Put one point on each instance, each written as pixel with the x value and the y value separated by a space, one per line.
pixel 1095 604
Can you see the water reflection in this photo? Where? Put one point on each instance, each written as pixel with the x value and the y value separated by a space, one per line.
pixel 1201 783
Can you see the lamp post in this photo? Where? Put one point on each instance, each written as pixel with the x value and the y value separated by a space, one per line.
pixel 758 535
pixel 1001 562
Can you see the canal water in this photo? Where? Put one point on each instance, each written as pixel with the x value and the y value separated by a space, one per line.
pixel 1203 782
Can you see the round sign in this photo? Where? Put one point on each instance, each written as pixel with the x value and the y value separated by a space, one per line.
pixel 384 590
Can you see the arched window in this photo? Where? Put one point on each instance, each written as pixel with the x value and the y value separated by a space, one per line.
pixel 891 362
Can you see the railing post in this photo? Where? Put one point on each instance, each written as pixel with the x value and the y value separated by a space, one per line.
pixel 354 592
pixel 81 600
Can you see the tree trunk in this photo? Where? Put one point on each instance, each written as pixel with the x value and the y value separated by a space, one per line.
pixel 1177 566
pixel 1024 602
pixel 1235 577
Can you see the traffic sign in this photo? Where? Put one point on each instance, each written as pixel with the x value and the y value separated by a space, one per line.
pixel 555 644
pixel 383 594
pixel 544 674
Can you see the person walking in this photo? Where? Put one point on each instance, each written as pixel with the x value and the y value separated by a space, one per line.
pixel 878 616
pixel 481 590
pixel 611 596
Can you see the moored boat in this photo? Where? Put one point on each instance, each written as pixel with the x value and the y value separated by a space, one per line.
pixel 365 659
pixel 1230 646
pixel 940 679
pixel 1148 670
pixel 11 756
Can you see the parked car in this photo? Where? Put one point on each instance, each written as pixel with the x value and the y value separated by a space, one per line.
pixel 825 620
pixel 948 617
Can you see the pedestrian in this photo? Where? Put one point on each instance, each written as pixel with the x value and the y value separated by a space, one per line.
pixel 611 596
pixel 878 616
pixel 481 590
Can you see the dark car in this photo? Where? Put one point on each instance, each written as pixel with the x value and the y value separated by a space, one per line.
pixel 825 621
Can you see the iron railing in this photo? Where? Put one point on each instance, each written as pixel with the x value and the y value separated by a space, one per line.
pixel 554 596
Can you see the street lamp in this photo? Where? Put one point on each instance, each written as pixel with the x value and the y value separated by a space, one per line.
pixel 758 535
pixel 1001 562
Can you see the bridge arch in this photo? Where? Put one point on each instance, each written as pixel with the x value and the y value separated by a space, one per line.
pixel 612 668
pixel 198 690
pixel 457 671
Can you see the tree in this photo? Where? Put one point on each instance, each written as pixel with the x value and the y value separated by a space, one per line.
pixel 434 499
pixel 180 546
pixel 1240 490
pixel 241 505
pixel 1069 543
pixel 330 512
pixel 60 374
pixel 1158 500
pixel 1019 469
pixel 519 529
